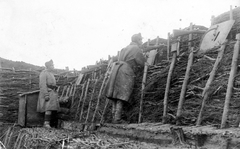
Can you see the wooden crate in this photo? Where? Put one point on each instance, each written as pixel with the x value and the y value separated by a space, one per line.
pixel 27 113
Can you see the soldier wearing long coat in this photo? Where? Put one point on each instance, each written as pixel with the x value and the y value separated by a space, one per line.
pixel 48 97
pixel 120 84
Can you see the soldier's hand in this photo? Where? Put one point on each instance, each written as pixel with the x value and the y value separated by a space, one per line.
pixel 46 98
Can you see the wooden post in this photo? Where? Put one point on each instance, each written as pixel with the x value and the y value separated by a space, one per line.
pixel 118 55
pixel 190 37
pixel 58 89
pixel 64 88
pixel 142 92
pixel 143 86
pixel 184 87
pixel 205 92
pixel 231 13
pixel 71 90
pixel 165 100
pixel 104 111
pixel 73 95
pixel 231 18
pixel 107 74
pixel 99 97
pixel 168 47
pixel 80 99
pixel 0 65
pixel 84 99
pixel 185 82
pixel 90 102
pixel 231 81
pixel 30 79
pixel 68 89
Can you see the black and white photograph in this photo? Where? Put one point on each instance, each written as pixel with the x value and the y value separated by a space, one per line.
pixel 119 74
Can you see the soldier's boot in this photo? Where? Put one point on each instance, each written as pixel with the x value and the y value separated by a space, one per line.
pixel 47 119
pixel 54 119
pixel 118 114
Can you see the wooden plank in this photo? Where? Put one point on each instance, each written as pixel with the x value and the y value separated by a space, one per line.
pixel 215 36
pixel 22 110
pixel 27 93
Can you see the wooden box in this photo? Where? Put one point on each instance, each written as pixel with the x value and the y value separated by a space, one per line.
pixel 27 112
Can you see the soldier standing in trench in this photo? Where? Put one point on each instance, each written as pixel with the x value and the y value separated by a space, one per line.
pixel 48 97
pixel 120 84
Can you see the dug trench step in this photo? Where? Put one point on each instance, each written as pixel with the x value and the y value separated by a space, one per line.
pixel 166 134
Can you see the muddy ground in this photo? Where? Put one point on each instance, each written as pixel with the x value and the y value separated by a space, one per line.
pixel 41 138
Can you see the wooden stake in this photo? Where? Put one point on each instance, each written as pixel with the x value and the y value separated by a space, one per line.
pixel 107 74
pixel 184 87
pixel 90 102
pixel 185 82
pixel 80 99
pixel 68 89
pixel 190 37
pixel 104 111
pixel 64 88
pixel 74 91
pixel 142 93
pixel 84 99
pixel 168 47
pixel 165 100
pixel 71 90
pixel 205 92
pixel 58 89
pixel 99 96
pixel 0 65
pixel 143 87
pixel 30 79
pixel 231 13
pixel 231 81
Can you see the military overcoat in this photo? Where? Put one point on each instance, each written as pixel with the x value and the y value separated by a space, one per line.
pixel 46 79
pixel 121 81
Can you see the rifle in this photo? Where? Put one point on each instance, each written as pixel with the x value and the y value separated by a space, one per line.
pixel 149 48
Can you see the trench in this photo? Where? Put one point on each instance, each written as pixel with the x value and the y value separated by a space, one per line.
pixel 169 136
pixel 74 135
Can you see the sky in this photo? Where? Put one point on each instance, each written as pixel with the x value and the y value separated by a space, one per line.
pixel 77 33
